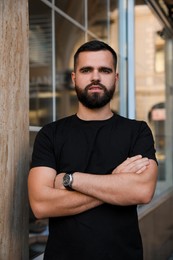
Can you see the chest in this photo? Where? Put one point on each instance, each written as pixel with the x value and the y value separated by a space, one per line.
pixel 93 149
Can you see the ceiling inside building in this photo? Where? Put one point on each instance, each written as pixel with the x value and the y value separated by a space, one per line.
pixel 163 9
pixel 169 4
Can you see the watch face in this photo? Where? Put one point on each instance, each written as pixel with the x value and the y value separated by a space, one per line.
pixel 66 180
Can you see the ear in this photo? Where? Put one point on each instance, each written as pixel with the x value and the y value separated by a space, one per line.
pixel 73 77
pixel 117 77
pixel 116 80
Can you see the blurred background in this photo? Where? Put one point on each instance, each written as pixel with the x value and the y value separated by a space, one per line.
pixel 141 33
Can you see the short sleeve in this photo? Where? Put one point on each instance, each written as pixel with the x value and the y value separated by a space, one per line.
pixel 144 142
pixel 43 150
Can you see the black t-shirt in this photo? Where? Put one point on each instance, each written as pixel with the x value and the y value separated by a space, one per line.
pixel 96 147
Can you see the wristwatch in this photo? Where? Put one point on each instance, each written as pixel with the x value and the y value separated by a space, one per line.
pixel 68 180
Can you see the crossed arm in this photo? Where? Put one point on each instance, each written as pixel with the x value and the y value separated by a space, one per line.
pixel 132 182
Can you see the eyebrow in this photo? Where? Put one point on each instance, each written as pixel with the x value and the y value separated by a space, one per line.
pixel 100 68
pixel 85 67
pixel 106 68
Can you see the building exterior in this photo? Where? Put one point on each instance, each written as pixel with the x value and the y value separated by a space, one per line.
pixel 49 31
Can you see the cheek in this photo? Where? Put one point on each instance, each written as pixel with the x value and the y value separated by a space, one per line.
pixel 112 81
pixel 107 81
pixel 81 81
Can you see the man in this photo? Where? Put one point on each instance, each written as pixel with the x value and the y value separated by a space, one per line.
pixel 91 170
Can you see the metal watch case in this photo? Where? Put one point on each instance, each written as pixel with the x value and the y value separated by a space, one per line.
pixel 67 180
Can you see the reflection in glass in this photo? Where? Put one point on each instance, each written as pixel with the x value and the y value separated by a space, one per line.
pixel 113 41
pixel 157 117
pixel 98 18
pixel 75 9
pixel 150 80
pixel 40 64
pixel 159 54
pixel 68 38
pixel 52 93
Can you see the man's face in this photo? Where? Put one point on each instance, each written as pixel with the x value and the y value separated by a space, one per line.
pixel 95 78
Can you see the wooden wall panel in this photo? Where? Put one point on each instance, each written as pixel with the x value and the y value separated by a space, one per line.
pixel 14 129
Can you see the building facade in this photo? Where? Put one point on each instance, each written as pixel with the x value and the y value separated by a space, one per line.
pixel 141 32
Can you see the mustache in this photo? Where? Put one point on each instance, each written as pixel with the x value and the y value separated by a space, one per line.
pixel 94 83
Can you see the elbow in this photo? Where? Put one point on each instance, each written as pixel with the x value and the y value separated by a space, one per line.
pixel 146 196
pixel 39 214
pixel 146 200
pixel 38 210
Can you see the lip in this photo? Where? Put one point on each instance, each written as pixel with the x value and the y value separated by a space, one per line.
pixel 95 88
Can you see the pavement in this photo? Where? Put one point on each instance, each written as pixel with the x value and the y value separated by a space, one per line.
pixel 41 257
pixel 171 257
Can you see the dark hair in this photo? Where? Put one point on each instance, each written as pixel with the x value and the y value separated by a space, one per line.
pixel 95 45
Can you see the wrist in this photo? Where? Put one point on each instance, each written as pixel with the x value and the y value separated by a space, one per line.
pixel 68 180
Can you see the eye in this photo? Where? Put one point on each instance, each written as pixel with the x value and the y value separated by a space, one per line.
pixel 85 70
pixel 106 70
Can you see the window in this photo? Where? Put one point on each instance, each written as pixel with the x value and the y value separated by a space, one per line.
pixel 159 54
pixel 151 96
pixel 57 28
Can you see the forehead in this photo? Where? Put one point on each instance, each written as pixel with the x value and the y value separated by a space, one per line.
pixel 95 58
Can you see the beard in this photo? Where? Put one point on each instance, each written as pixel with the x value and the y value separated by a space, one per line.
pixel 94 100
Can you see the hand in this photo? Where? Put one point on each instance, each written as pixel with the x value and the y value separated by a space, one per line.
pixel 58 183
pixel 135 164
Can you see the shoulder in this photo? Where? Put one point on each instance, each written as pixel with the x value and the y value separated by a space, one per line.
pixel 55 129
pixel 53 126
pixel 133 129
pixel 131 123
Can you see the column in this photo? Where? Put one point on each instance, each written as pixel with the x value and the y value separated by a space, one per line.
pixel 169 111
pixel 14 134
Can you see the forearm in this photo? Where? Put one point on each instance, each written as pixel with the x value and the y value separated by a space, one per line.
pixel 65 203
pixel 120 188
pixel 55 203
pixel 108 188
pixel 48 201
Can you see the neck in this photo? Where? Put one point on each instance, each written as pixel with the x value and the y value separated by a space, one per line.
pixel 88 114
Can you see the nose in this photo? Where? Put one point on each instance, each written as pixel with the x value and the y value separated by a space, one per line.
pixel 95 76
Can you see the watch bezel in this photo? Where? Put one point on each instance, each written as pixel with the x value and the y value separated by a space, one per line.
pixel 68 180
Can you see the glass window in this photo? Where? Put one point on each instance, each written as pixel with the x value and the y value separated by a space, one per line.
pixel 68 38
pixel 150 85
pixel 75 9
pixel 40 58
pixel 53 39
pixel 98 18
pixel 52 95
pixel 159 54
pixel 113 41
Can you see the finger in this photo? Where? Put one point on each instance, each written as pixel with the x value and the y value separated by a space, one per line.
pixel 141 169
pixel 134 158
pixel 131 164
pixel 130 160
pixel 137 165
